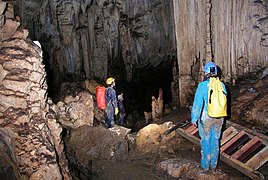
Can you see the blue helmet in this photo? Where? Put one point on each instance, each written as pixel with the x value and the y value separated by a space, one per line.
pixel 210 68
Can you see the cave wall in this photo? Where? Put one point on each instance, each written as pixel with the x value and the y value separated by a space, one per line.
pixel 97 39
pixel 29 133
pixel 232 33
pixel 30 136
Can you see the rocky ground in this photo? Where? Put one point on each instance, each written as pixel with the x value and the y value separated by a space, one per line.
pixel 146 153
pixel 172 158
pixel 150 166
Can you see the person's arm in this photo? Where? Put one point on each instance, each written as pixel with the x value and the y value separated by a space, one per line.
pixel 224 88
pixel 113 99
pixel 197 104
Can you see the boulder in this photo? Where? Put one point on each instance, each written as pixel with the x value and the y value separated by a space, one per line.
pixel 185 169
pixel 91 143
pixel 76 111
pixel 151 137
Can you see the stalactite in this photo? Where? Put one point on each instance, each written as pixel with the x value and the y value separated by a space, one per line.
pixel 233 35
pixel 208 37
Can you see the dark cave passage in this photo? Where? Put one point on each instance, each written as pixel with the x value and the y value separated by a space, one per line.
pixel 145 84
pixel 138 93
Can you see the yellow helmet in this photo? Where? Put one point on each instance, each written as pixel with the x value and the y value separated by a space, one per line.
pixel 110 80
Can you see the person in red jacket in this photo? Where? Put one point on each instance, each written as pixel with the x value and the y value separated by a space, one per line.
pixel 111 103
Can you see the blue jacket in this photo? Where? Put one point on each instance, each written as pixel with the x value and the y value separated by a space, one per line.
pixel 111 97
pixel 200 105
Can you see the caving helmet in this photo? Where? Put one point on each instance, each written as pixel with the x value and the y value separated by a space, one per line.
pixel 120 97
pixel 110 80
pixel 210 68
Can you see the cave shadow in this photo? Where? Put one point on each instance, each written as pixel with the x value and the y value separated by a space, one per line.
pixel 145 84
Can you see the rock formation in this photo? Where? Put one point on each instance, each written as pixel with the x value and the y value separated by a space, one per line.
pixel 250 99
pixel 29 132
pixel 96 39
pixel 232 33
pixel 126 39
pixel 87 144
pixel 76 111
pixel 157 105
pixel 151 138
pixel 185 169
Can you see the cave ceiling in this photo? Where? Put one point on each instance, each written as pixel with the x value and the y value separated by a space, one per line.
pixel 101 38
pixel 134 40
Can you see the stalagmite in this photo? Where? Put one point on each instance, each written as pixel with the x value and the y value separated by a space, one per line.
pixel 29 129
pixel 157 105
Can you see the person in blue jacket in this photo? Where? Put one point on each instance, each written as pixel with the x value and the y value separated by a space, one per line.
pixel 209 128
pixel 122 111
pixel 111 103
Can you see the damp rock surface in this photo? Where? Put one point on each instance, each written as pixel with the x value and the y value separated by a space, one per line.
pixel 97 143
pixel 181 168
pixel 30 136
pixel 249 101
pixel 174 158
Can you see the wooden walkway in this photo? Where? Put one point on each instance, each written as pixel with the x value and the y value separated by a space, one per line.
pixel 241 148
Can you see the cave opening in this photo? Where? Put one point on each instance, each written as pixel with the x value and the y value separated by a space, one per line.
pixel 145 83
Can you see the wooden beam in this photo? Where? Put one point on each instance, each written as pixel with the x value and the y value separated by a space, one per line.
pixel 249 169
pixel 247 149
pixel 191 128
pixel 259 159
pixel 228 134
pixel 231 145
pixel 241 167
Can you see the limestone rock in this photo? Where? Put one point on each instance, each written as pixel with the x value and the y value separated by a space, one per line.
pixel 90 85
pixel 157 105
pixel 87 36
pixel 151 137
pixel 185 169
pixel 8 161
pixel 76 111
pixel 2 7
pixel 98 143
pixel 9 29
pixel 29 133
pixel 250 96
pixel 23 112
pixel 21 33
pixel 89 143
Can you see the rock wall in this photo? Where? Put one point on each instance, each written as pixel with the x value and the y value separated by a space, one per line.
pixel 232 33
pixel 29 132
pixel 96 39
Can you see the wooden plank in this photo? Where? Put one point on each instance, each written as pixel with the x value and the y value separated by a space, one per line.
pixel 190 129
pixel 228 134
pixel 258 159
pixel 187 126
pixel 248 171
pixel 240 166
pixel 234 142
pixel 247 149
pixel 194 131
pixel 190 137
pixel 250 132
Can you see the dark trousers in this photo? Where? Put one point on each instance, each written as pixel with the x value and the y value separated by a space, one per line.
pixel 120 119
pixel 109 115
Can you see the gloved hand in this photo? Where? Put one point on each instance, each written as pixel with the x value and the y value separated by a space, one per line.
pixel 116 111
